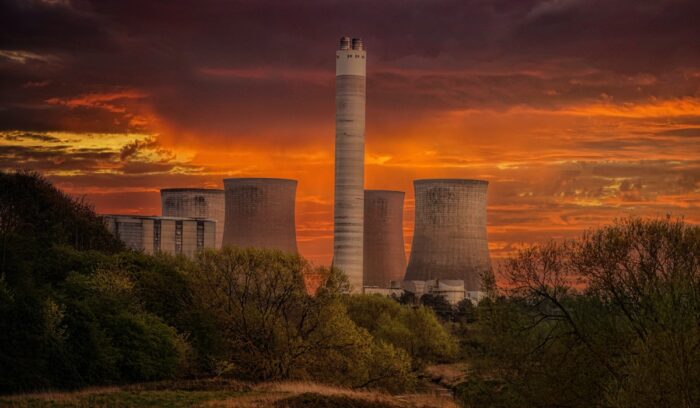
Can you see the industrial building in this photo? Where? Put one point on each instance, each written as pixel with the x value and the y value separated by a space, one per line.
pixel 449 241
pixel 201 203
pixel 452 290
pixel 173 235
pixel 384 253
pixel 260 213
pixel 348 207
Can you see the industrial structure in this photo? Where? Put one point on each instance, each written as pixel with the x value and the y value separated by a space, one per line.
pixel 173 235
pixel 200 203
pixel 384 253
pixel 449 241
pixel 260 213
pixel 449 253
pixel 452 290
pixel 350 95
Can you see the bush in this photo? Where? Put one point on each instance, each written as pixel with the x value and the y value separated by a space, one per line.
pixel 274 330
pixel 416 330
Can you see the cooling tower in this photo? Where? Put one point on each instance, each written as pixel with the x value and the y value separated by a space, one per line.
pixel 449 240
pixel 195 203
pixel 260 213
pixel 384 255
pixel 350 81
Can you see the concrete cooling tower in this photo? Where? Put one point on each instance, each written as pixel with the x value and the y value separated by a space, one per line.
pixel 384 254
pixel 260 213
pixel 449 240
pixel 350 91
pixel 201 203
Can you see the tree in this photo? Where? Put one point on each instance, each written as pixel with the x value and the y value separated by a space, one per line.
pixel 611 318
pixel 274 330
pixel 442 308
pixel 415 330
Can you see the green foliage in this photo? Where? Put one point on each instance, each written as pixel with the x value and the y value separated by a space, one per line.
pixel 274 330
pixel 35 217
pixel 416 330
pixel 610 319
pixel 69 315
pixel 442 308
pixel 77 309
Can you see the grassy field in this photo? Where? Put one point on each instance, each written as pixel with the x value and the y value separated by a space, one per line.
pixel 211 393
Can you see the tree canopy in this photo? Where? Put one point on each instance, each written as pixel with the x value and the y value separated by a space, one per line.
pixel 609 319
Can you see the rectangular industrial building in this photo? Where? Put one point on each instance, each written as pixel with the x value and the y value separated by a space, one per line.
pixel 172 235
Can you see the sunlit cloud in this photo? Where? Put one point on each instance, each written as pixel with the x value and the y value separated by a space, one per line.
pixel 570 129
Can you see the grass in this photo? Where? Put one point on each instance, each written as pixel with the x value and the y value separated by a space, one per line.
pixel 224 394
pixel 173 398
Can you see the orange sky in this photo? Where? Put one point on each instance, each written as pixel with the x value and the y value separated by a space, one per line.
pixel 568 137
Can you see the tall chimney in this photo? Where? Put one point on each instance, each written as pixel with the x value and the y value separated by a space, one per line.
pixel 348 207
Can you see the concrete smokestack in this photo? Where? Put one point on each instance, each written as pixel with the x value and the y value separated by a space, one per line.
pixel 260 213
pixel 384 254
pixel 449 240
pixel 348 207
pixel 202 203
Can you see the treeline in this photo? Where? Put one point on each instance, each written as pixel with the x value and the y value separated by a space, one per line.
pixel 78 309
pixel 611 319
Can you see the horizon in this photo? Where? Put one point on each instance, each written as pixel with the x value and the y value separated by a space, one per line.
pixel 575 112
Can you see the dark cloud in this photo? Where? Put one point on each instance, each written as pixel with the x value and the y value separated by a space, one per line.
pixel 685 132
pixel 134 147
pixel 578 111
pixel 20 136
pixel 452 55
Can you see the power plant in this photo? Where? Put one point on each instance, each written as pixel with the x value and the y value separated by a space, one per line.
pixel 449 252
pixel 172 235
pixel 260 213
pixel 200 203
pixel 348 207
pixel 384 254
pixel 449 238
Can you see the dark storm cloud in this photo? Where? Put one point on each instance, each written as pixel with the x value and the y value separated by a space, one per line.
pixel 453 54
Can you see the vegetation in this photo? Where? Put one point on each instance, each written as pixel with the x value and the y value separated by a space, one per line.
pixel 78 309
pixel 415 330
pixel 611 319
pixel 272 329
pixel 224 394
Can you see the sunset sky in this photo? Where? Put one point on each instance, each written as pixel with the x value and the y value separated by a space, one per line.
pixel 575 111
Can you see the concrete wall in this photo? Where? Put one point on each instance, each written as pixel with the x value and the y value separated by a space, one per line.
pixel 148 235
pixel 195 203
pixel 260 213
pixel 348 207
pixel 384 254
pixel 167 234
pixel 189 237
pixel 140 232
pixel 128 229
pixel 449 240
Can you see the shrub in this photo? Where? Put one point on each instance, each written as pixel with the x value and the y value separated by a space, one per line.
pixel 274 330
pixel 416 330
